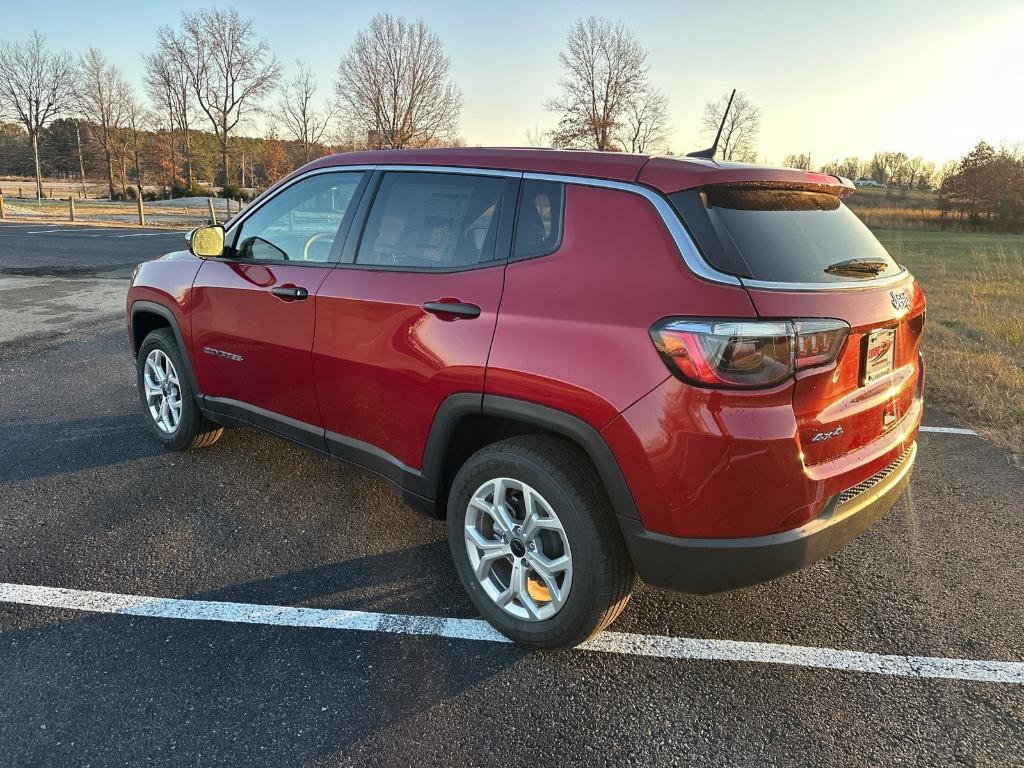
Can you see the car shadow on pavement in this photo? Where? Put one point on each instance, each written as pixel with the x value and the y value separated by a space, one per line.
pixel 107 688
pixel 30 450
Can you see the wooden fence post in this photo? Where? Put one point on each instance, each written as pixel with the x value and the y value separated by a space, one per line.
pixel 3 213
pixel 213 213
pixel 142 213
pixel 71 206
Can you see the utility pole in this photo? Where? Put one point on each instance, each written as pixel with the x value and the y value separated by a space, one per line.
pixel 81 160
pixel 243 167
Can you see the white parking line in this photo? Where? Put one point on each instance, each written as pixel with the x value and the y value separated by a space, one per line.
pixel 656 646
pixel 148 234
pixel 949 430
pixel 79 230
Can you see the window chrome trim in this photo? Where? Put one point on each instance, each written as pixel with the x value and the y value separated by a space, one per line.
pixel 260 201
pixel 452 169
pixel 844 285
pixel 692 257
pixel 684 243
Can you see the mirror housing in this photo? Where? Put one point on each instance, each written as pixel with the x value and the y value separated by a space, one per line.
pixel 207 242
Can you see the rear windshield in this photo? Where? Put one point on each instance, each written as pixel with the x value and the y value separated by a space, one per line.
pixel 782 235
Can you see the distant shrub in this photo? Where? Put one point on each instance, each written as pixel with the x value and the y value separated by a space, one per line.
pixel 180 190
pixel 234 193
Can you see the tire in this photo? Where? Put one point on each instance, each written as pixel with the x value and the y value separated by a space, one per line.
pixel 559 478
pixel 190 429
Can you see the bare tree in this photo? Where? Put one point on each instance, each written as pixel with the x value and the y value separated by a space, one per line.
pixel 306 122
pixel 535 137
pixel 137 125
pixel 229 68
pixel 604 72
pixel 801 161
pixel 104 101
pixel 395 86
pixel 888 167
pixel 167 82
pixel 742 126
pixel 36 85
pixel 644 127
pixel 850 168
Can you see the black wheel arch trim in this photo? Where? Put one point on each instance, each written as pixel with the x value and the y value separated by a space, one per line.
pixel 577 430
pixel 427 482
pixel 142 306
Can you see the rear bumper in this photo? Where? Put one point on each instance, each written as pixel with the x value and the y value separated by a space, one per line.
pixel 715 565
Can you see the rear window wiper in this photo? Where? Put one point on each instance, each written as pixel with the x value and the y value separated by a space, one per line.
pixel 858 267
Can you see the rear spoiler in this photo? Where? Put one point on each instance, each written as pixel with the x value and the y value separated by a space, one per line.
pixel 669 174
pixel 833 185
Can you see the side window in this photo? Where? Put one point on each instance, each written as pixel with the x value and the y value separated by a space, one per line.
pixel 539 223
pixel 300 223
pixel 423 220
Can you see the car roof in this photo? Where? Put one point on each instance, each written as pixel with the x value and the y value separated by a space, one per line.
pixel 665 173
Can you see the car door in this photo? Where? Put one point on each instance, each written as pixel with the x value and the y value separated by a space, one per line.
pixel 254 310
pixel 408 316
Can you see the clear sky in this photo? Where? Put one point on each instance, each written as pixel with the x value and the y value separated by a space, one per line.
pixel 833 79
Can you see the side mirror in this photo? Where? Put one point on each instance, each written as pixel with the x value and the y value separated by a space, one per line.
pixel 207 242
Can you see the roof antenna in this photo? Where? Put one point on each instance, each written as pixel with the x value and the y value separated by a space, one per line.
pixel 709 153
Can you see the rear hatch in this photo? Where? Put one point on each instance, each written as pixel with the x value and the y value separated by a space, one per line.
pixel 802 254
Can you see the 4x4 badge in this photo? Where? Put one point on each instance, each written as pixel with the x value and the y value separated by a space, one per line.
pixel 899 300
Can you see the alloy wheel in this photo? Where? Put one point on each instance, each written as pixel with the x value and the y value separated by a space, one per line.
pixel 518 549
pixel 163 391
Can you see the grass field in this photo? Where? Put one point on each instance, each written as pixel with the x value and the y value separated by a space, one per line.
pixel 974 338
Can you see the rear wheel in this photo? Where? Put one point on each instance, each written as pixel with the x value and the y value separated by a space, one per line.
pixel 172 412
pixel 536 544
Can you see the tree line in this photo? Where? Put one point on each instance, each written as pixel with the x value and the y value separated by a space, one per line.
pixel 982 189
pixel 205 79
pixel 892 169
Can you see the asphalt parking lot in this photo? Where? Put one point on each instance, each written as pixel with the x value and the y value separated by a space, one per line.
pixel 169 641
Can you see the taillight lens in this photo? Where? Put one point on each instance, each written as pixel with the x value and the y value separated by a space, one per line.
pixel 746 353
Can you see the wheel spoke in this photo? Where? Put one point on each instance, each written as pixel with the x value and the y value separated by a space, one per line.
pixel 535 524
pixel 520 586
pixel 489 550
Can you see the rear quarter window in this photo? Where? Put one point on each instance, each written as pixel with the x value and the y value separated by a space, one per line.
pixel 782 235
pixel 539 221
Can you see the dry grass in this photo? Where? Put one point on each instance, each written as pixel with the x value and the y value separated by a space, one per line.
pixel 974 338
pixel 896 208
pixel 889 217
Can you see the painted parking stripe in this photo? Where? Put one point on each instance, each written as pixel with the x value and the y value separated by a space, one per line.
pixel 949 430
pixel 149 234
pixel 79 230
pixel 654 646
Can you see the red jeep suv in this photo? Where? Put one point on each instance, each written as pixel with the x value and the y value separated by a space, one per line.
pixel 595 366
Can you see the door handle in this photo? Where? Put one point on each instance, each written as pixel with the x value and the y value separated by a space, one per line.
pixel 456 308
pixel 293 292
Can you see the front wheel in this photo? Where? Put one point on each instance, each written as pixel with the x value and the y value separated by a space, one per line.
pixel 535 542
pixel 166 393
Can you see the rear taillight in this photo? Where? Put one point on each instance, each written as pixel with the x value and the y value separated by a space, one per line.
pixel 746 353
